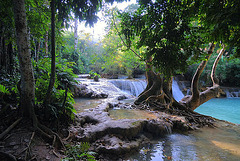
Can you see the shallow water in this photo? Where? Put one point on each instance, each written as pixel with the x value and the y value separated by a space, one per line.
pixel 206 144
pixel 222 108
pixel 218 144
pixel 213 144
pixel 131 114
pixel 82 104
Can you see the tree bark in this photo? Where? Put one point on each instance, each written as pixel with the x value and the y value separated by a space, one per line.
pixel 27 85
pixel 213 91
pixel 213 77
pixel 160 91
pixel 75 34
pixel 53 68
pixel 198 98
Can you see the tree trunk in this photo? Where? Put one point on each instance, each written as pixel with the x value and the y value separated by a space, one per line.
pixel 53 68
pixel 213 77
pixel 27 85
pixel 3 54
pixel 11 61
pixel 155 88
pixel 75 34
pixel 160 91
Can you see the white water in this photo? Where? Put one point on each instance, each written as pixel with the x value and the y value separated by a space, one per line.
pixel 134 87
pixel 177 93
pixel 232 92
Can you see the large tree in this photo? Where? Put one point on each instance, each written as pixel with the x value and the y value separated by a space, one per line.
pixel 27 86
pixel 175 34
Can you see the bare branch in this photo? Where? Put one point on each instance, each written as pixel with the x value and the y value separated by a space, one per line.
pixel 213 77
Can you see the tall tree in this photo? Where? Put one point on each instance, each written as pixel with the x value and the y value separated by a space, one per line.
pixel 53 55
pixel 27 86
pixel 75 34
pixel 173 35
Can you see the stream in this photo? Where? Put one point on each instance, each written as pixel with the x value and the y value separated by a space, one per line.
pixel 213 144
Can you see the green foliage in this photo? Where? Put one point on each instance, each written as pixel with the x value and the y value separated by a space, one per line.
pixel 228 71
pixel 64 82
pixel 116 57
pixel 9 87
pixel 38 16
pixel 3 90
pixel 94 74
pixel 165 30
pixel 223 18
pixel 231 73
pixel 82 55
pixel 79 152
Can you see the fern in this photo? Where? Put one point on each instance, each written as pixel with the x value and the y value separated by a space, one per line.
pixel 3 90
pixel 79 152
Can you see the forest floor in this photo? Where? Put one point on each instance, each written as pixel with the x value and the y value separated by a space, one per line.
pixel 22 143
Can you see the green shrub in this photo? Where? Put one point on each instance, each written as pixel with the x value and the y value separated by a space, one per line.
pixel 79 152
pixel 62 101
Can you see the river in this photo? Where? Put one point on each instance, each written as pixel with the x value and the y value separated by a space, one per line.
pixel 213 144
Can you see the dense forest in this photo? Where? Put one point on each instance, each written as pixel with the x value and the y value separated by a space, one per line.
pixel 42 50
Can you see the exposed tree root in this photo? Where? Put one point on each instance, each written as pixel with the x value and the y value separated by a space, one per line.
pixel 49 134
pixel 7 156
pixel 195 119
pixel 10 128
pixel 28 151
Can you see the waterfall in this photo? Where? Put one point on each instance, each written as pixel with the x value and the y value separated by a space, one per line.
pixel 136 86
pixel 177 93
pixel 133 87
pixel 231 92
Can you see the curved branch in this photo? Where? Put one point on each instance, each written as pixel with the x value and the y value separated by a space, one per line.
pixel 213 77
pixel 195 98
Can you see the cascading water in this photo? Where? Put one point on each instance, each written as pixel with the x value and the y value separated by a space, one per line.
pixel 231 92
pixel 134 87
pixel 177 93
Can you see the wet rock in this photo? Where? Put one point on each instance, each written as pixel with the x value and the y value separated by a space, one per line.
pixel 96 78
pixel 120 137
pixel 115 146
pixel 104 95
pixel 112 105
pixel 127 128
pixel 81 90
pixel 122 97
pixel 158 128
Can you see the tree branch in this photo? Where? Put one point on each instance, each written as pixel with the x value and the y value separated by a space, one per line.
pixel 213 77
pixel 124 41
pixel 195 98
